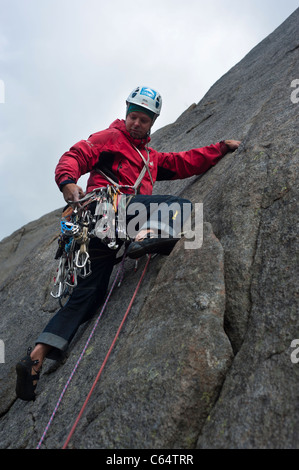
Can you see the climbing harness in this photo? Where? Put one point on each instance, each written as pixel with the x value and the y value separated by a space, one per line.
pixel 84 350
pixel 78 225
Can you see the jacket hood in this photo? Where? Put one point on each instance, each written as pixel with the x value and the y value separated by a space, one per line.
pixel 120 125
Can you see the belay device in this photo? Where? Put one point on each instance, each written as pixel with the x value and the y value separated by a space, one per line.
pixel 78 225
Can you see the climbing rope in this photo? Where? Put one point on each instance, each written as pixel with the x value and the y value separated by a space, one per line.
pixel 120 270
pixel 106 358
pixel 82 353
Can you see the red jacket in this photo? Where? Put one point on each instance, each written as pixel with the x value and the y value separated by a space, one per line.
pixel 112 152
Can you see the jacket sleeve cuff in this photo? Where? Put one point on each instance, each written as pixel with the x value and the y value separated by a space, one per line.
pixel 66 182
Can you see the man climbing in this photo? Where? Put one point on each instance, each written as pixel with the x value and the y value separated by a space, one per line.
pixel 118 156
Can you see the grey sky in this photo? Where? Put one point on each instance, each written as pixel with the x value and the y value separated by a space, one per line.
pixel 68 65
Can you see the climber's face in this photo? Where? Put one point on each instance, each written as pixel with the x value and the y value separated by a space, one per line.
pixel 138 124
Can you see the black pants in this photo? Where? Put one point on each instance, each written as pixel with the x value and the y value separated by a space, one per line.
pixel 90 292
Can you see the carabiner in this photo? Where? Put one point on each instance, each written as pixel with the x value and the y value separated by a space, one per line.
pixel 81 258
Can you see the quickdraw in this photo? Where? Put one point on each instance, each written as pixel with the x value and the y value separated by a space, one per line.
pixel 78 225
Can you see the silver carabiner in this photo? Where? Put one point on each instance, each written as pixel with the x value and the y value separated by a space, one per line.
pixel 59 291
pixel 81 259
pixel 86 270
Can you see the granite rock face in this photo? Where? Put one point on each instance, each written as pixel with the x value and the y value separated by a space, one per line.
pixel 204 357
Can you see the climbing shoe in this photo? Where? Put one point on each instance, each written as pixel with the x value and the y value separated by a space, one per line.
pixel 25 388
pixel 151 244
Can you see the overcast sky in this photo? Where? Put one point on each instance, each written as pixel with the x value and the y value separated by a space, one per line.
pixel 67 67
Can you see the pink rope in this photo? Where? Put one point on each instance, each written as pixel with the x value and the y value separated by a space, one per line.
pixel 81 355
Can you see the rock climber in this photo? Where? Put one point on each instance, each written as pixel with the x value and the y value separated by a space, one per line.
pixel 121 156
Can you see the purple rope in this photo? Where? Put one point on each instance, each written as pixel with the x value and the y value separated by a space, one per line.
pixel 81 355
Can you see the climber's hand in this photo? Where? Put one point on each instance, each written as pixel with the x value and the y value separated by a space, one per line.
pixel 232 144
pixel 72 192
